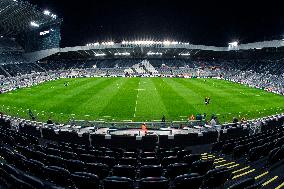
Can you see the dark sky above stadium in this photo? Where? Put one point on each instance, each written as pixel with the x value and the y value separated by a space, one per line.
pixel 213 22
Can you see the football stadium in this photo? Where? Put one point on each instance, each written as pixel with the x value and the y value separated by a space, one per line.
pixel 136 113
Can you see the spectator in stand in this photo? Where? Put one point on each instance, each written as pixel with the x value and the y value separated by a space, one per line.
pixel 163 121
pixel 49 121
pixel 144 128
pixel 213 121
pixel 31 115
pixel 235 120
pixel 199 117
pixel 191 118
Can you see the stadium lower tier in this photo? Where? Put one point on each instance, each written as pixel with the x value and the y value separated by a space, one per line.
pixel 38 158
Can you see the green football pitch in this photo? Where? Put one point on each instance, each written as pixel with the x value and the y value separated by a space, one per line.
pixel 139 99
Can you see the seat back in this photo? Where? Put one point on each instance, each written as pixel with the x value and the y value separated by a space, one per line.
pixel 189 159
pixel 84 180
pixel 201 166
pixel 118 182
pixel 99 169
pixel 124 171
pixel 150 171
pixel 243 183
pixel 174 170
pixel 154 182
pixel 169 160
pixel 150 161
pixel 58 176
pixel 128 161
pixel 193 180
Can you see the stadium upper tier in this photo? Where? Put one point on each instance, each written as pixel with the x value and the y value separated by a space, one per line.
pixel 7 45
pixel 17 16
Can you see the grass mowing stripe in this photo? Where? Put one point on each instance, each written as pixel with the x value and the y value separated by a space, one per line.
pixel 175 104
pixel 221 101
pixel 67 101
pixel 40 97
pixel 70 103
pixel 187 94
pixel 221 88
pixel 81 94
pixel 206 90
pixel 201 93
pixel 149 106
pixel 22 98
pixel 95 98
pixel 97 102
pixel 121 106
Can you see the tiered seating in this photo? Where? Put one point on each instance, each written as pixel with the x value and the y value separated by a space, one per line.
pixel 252 147
pixel 138 69
pixel 265 73
pixel 262 151
pixel 31 163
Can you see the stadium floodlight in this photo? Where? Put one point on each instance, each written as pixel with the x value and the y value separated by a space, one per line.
pixel 44 32
pixel 54 16
pixel 146 42
pixel 233 44
pixel 2 36
pixel 122 54
pixel 110 43
pixel 184 54
pixel 93 44
pixel 166 42
pixel 46 12
pixel 34 24
pixel 154 53
pixel 100 54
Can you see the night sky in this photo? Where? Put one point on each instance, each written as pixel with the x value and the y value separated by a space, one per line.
pixel 212 22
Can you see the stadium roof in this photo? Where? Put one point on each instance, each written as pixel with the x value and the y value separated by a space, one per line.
pixel 155 49
pixel 17 16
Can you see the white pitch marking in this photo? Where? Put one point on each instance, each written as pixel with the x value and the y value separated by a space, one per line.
pixel 127 120
pixel 137 96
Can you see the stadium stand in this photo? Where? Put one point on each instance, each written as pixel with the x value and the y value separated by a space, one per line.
pixel 266 75
pixel 7 45
pixel 37 158
pixel 244 154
